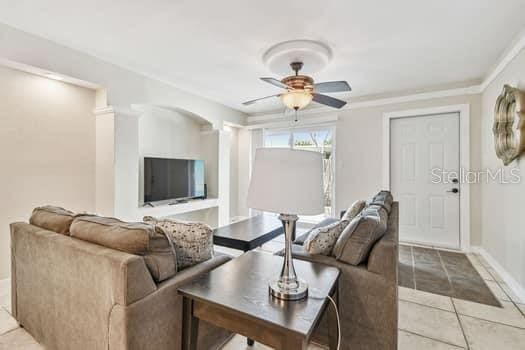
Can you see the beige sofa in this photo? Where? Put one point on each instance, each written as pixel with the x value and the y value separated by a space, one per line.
pixel 368 302
pixel 72 294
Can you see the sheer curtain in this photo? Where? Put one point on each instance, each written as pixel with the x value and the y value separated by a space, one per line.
pixel 318 139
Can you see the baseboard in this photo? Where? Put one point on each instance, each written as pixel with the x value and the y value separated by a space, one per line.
pixel 507 278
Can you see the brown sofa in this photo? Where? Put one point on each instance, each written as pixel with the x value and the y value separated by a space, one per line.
pixel 72 294
pixel 368 302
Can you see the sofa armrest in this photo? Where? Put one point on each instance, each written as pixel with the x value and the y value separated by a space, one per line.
pixel 193 272
pixel 123 276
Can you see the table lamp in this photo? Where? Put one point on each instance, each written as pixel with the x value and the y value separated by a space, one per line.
pixel 288 182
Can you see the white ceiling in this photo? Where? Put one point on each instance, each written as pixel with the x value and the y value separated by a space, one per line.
pixel 213 48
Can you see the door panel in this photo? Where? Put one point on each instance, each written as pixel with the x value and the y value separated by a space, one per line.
pixel 429 212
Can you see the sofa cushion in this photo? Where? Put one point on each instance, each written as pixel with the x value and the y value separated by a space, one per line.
pixel 322 239
pixel 359 236
pixel 193 241
pixel 384 199
pixel 52 218
pixel 354 210
pixel 134 238
pixel 300 240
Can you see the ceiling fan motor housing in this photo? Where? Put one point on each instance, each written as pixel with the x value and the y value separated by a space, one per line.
pixel 299 82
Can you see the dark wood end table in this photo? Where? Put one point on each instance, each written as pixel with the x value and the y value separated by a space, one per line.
pixel 235 297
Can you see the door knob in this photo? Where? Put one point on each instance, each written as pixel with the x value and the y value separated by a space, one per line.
pixel 454 190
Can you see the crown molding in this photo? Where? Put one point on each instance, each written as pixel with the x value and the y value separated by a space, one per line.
pixel 103 110
pixel 515 48
pixel 289 121
pixel 470 90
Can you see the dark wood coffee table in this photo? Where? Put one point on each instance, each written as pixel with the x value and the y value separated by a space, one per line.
pixel 235 297
pixel 248 234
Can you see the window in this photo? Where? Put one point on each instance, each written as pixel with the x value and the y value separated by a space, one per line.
pixel 319 139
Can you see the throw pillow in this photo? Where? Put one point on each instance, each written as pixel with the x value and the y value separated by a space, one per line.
pixel 52 218
pixel 384 199
pixel 193 241
pixel 354 210
pixel 356 242
pixel 322 239
pixel 134 238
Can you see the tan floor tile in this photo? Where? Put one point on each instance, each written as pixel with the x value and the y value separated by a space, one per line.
pixel 482 260
pixel 409 341
pixel 494 274
pixel 485 335
pixel 430 322
pixel 18 339
pixel 510 293
pixel 425 298
pixel 238 342
pixel 507 314
pixel 483 272
pixel 7 323
pixel 497 291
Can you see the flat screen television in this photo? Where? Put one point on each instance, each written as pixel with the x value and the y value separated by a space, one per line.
pixel 166 178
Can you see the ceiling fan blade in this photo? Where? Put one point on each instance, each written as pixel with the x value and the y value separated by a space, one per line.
pixel 275 82
pixel 247 103
pixel 332 86
pixel 328 101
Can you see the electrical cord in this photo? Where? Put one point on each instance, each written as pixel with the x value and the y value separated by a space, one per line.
pixel 338 321
pixel 315 293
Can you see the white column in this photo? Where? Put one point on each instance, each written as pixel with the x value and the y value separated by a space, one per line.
pixel 126 166
pixel 224 148
pixel 104 162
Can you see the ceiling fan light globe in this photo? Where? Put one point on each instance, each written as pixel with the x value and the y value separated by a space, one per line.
pixel 297 99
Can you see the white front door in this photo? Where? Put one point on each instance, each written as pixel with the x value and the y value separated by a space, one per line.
pixel 424 149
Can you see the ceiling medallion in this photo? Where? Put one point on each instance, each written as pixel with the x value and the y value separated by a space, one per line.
pixel 313 54
pixel 298 90
pixel 509 124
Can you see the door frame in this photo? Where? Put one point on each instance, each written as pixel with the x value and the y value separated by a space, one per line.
pixel 464 157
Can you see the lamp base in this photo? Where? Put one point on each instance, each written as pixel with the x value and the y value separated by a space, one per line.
pixel 277 290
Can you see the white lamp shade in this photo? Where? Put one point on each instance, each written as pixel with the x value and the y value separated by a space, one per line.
pixel 287 181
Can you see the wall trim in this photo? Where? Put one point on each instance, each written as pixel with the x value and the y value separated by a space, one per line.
pixel 501 64
pixel 289 122
pixel 504 60
pixel 464 156
pixel 517 288
pixel 103 110
pixel 470 90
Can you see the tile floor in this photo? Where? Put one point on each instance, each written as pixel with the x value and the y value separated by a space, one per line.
pixel 446 273
pixel 426 320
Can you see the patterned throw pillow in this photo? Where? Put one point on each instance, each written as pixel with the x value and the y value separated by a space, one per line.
pixel 322 240
pixel 354 210
pixel 193 241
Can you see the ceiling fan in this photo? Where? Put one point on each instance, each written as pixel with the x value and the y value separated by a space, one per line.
pixel 301 90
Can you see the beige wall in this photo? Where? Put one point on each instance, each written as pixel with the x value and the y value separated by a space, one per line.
pixel 47 149
pixel 502 219
pixel 359 151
